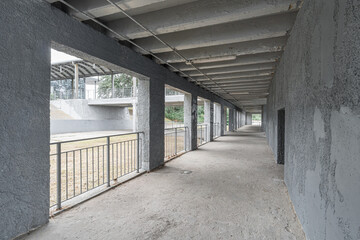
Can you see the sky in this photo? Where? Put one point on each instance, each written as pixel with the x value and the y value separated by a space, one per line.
pixel 58 57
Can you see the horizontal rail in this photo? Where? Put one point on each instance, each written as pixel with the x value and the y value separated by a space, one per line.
pixel 92 138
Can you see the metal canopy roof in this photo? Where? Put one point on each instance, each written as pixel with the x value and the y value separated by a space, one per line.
pixel 62 71
pixel 229 47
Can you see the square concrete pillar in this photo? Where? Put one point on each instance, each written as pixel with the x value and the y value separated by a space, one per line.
pixel 25 120
pixel 208 119
pixel 190 120
pixel 235 127
pixel 223 120
pixel 231 120
pixel 150 120
pixel 217 119
pixel 242 119
pixel 211 132
pixel 248 120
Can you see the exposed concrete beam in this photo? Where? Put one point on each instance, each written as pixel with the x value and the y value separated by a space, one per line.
pixel 234 32
pixel 200 14
pixel 102 8
pixel 240 80
pixel 235 83
pixel 239 61
pixel 259 73
pixel 235 49
pixel 251 87
pixel 240 85
pixel 236 69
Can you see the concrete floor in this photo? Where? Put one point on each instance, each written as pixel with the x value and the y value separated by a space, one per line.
pixel 235 191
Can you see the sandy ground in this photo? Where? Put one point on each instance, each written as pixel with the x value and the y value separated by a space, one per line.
pixel 234 191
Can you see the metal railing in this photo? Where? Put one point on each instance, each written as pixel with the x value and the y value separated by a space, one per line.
pixel 216 130
pixel 118 93
pixel 256 123
pixel 172 124
pixel 67 94
pixel 175 140
pixel 202 134
pixel 171 92
pixel 78 166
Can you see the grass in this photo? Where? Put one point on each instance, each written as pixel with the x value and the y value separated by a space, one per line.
pixel 84 163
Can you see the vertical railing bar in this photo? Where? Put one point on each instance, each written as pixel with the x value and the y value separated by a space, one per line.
pixel 112 161
pixel 128 162
pixel 73 173
pixel 108 161
pixel 121 159
pixel 58 175
pixel 92 168
pixel 175 141
pixel 80 171
pixel 117 160
pixel 103 163
pixel 87 169
pixel 138 155
pixel 67 194
pixel 98 166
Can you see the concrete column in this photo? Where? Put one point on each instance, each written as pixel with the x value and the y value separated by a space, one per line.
pixel 25 121
pixel 134 87
pixel 235 120
pixel 248 120
pixel 243 118
pixel 223 120
pixel 150 115
pixel 113 86
pixel 211 130
pixel 135 104
pixel 231 120
pixel 76 80
pixel 207 118
pixel 190 120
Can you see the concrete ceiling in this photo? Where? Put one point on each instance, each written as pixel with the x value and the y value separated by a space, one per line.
pixel 229 47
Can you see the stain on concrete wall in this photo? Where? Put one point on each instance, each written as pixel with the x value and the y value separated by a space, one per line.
pixel 318 83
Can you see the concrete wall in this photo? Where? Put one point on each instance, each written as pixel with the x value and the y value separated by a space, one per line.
pixel 317 82
pixel 87 118
pixel 80 109
pixel 31 28
pixel 70 126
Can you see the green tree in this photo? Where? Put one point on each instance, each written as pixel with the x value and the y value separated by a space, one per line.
pixel 200 113
pixel 174 113
pixel 121 80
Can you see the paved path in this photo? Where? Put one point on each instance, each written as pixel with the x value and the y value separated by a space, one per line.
pixel 234 191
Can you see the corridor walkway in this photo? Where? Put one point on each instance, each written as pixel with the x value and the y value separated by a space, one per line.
pixel 234 191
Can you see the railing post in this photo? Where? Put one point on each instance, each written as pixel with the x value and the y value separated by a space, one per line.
pixel 175 141
pixel 58 174
pixel 138 152
pixel 108 161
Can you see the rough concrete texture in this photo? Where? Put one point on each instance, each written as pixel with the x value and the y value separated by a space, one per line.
pixel 24 125
pixel 317 81
pixel 190 120
pixel 234 191
pixel 248 118
pixel 24 105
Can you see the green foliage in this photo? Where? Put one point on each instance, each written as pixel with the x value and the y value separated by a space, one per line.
pixel 120 81
pixel 256 117
pixel 200 113
pixel 174 113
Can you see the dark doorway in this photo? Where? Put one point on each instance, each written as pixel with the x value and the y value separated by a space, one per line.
pixel 281 137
